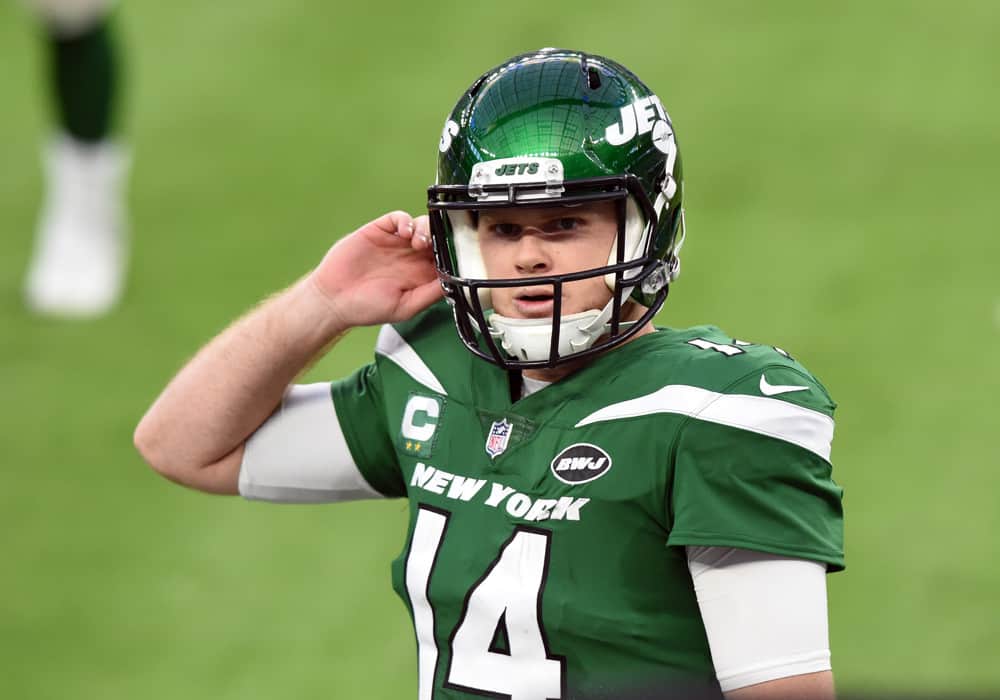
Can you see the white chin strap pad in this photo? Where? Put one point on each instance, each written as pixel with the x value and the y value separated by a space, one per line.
pixel 530 339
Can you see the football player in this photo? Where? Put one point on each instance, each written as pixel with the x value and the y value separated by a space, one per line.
pixel 599 508
pixel 79 259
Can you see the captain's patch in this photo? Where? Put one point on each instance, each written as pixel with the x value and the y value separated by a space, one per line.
pixel 419 426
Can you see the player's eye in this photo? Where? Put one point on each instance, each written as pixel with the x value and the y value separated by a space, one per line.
pixel 505 230
pixel 562 224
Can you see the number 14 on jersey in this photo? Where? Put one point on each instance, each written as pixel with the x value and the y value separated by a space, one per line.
pixel 506 600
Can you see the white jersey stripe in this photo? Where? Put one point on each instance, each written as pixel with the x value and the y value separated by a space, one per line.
pixel 391 344
pixel 300 454
pixel 779 419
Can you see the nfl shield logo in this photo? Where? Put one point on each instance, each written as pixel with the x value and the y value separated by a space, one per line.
pixel 499 436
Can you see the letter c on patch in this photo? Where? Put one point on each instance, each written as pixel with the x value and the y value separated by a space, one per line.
pixel 420 418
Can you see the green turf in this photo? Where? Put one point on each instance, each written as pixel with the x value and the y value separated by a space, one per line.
pixel 840 162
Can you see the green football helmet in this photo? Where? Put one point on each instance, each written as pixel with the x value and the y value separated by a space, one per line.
pixel 550 128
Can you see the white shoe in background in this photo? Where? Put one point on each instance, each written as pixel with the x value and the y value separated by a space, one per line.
pixel 81 248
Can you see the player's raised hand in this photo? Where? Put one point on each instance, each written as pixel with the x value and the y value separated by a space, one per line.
pixel 382 273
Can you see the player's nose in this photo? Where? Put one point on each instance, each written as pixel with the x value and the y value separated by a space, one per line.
pixel 531 255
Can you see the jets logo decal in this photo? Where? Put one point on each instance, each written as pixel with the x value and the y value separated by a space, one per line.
pixel 644 115
pixel 580 463
pixel 448 134
pixel 516 169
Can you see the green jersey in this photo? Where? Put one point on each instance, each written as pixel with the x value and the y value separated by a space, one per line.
pixel 545 555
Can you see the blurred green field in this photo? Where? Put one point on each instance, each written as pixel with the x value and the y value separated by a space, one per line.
pixel 841 166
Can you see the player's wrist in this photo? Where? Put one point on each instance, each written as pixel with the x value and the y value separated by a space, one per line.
pixel 322 311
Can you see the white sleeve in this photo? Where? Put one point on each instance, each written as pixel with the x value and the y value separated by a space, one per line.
pixel 299 455
pixel 764 614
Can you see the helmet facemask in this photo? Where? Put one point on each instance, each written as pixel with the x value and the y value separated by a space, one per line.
pixel 546 342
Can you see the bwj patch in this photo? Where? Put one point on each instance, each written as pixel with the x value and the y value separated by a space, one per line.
pixel 580 463
pixel 496 441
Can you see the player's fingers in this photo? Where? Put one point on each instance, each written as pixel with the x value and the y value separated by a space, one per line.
pixel 395 223
pixel 422 296
pixel 421 233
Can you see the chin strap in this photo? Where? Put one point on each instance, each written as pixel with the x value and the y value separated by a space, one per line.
pixel 530 339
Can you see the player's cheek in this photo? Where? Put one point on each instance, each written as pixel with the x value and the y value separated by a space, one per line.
pixel 502 298
pixel 493 256
pixel 586 294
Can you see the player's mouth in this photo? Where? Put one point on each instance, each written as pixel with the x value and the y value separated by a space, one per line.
pixel 534 302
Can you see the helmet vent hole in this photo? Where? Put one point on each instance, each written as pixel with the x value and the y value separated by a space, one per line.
pixel 593 78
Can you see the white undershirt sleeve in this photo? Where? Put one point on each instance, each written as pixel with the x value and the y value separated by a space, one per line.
pixel 300 455
pixel 765 615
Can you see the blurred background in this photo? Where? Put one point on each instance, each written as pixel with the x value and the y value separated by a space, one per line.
pixel 841 164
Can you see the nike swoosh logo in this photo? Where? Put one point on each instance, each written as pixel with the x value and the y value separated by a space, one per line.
pixel 775 389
